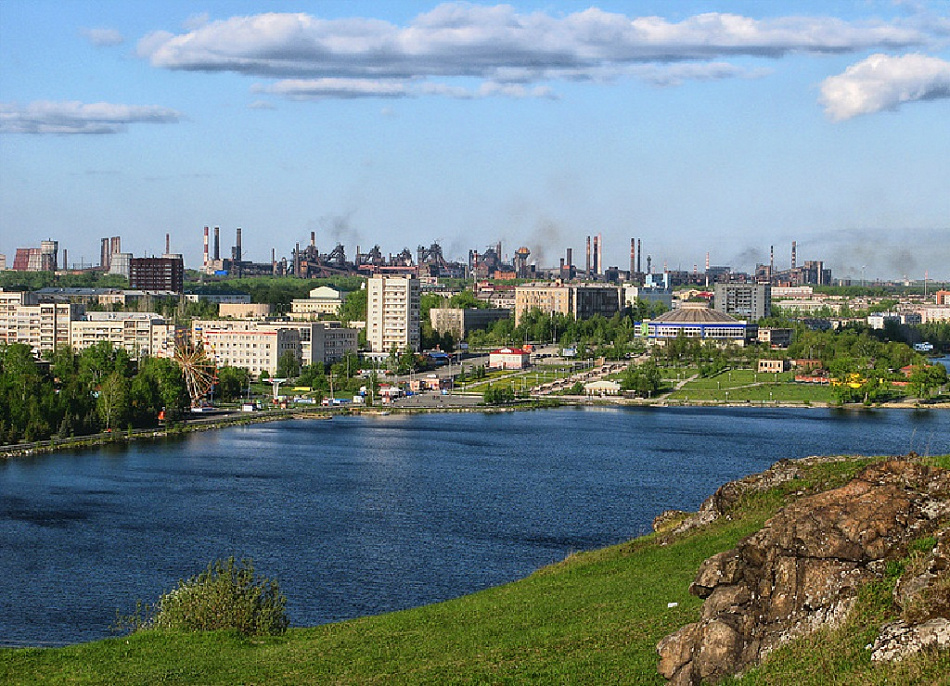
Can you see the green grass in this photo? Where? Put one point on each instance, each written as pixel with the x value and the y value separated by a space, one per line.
pixel 594 618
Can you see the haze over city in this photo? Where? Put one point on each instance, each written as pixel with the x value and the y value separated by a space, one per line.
pixel 719 127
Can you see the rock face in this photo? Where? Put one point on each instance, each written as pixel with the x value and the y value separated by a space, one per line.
pixel 802 570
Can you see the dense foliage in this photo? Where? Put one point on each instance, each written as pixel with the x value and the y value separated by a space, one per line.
pixel 227 595
pixel 68 394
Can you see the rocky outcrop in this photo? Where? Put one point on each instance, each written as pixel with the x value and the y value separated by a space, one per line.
pixel 720 503
pixel 923 596
pixel 802 570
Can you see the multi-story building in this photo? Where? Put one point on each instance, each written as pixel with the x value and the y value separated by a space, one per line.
pixel 392 313
pixel 246 345
pixel 139 333
pixel 750 301
pixel 458 321
pixel 322 300
pixel 44 326
pixel 581 301
pixel 157 274
pixel 321 342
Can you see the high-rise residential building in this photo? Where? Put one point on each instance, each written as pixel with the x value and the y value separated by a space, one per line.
pixel 749 301
pixel 392 313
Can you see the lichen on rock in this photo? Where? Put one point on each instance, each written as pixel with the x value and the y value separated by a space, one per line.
pixel 803 569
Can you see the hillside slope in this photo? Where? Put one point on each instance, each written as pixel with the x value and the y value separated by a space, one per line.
pixel 594 618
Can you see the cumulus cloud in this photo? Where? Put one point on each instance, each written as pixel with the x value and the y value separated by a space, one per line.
pixel 499 45
pixel 70 117
pixel 883 82
pixel 103 37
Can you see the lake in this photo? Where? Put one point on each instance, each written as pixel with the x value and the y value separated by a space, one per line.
pixel 362 515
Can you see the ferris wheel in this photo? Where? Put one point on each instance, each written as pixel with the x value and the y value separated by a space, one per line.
pixel 199 370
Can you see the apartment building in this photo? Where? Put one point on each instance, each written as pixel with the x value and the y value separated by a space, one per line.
pixel 392 313
pixel 459 322
pixel 246 344
pixel 749 301
pixel 42 326
pixel 139 333
pixel 321 342
pixel 581 301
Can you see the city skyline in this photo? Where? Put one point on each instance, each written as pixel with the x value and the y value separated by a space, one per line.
pixel 726 127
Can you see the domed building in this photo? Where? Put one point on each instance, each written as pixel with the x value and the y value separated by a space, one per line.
pixel 697 320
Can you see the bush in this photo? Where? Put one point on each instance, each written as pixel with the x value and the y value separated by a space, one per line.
pixel 227 595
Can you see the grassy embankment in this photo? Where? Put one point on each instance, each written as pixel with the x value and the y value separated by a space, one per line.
pixel 594 618
pixel 743 385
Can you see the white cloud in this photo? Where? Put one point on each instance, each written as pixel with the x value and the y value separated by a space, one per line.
pixel 497 44
pixel 103 37
pixel 883 82
pixel 318 89
pixel 262 105
pixel 44 117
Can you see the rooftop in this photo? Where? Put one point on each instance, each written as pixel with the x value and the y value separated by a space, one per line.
pixel 695 313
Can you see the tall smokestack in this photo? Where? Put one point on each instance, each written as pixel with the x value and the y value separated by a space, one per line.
pixel 217 243
pixel 116 243
pixel 313 239
pixel 600 253
pixel 168 244
pixel 771 260
pixel 66 264
pixel 570 257
pixel 794 246
pixel 597 254
pixel 639 254
pixel 707 270
pixel 205 251
pixel 104 254
pixel 237 251
pixel 588 257
pixel 649 265
pixel 633 254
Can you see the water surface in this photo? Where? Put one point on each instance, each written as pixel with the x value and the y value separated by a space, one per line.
pixel 363 515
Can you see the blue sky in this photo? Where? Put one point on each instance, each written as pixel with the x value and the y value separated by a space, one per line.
pixel 719 127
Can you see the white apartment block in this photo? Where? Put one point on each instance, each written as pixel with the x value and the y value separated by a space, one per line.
pixel 44 327
pixel 139 333
pixel 246 345
pixel 392 313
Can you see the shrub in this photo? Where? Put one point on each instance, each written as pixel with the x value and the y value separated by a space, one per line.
pixel 227 595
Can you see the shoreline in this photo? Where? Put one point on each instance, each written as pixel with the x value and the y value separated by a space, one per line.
pixel 237 419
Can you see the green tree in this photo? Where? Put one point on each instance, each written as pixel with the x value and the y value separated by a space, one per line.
pixel 112 403
pixel 288 366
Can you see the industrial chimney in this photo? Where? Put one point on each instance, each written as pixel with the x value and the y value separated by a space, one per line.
pixel 205 251
pixel 633 255
pixel 217 243
pixel 639 254
pixel 168 244
pixel 587 271
pixel 794 246
pixel 237 248
pixel 570 257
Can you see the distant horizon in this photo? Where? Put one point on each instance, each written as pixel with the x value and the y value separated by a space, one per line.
pixel 716 126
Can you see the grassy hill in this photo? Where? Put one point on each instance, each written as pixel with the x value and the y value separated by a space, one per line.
pixel 594 618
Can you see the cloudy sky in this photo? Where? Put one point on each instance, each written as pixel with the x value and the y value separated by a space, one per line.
pixel 720 127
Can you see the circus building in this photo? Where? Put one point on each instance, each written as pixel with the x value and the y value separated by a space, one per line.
pixel 697 320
